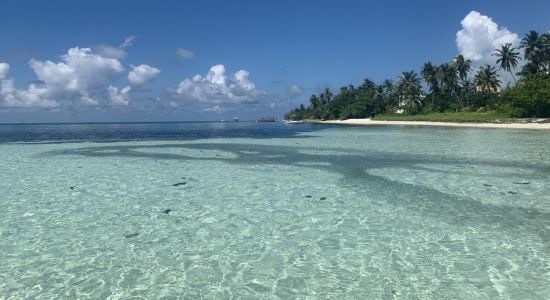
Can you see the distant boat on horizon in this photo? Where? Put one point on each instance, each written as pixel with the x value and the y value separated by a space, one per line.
pixel 235 119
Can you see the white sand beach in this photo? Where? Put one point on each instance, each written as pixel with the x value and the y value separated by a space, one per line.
pixel 368 122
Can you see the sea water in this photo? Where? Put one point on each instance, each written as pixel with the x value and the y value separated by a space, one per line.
pixel 249 211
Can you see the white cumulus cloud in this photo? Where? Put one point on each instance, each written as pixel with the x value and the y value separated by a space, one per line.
pixel 218 87
pixel 142 74
pixel 479 37
pixel 79 70
pixel 81 74
pixel 34 96
pixel 80 77
pixel 119 98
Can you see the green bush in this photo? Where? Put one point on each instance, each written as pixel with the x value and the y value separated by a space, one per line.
pixel 531 96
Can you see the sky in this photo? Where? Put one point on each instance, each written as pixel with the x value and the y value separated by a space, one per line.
pixel 131 61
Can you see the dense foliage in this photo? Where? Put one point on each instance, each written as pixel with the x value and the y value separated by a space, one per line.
pixel 532 96
pixel 449 87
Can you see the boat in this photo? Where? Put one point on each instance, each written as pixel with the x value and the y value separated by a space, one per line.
pixel 267 119
pixel 235 119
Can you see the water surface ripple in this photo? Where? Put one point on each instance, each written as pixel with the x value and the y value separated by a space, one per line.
pixel 253 211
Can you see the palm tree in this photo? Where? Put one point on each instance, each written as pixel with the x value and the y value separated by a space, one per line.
pixel 546 50
pixel 344 90
pixel 380 97
pixel 409 89
pixel 429 73
pixel 468 88
pixel 326 96
pixel 368 85
pixel 528 69
pixel 462 66
pixel 533 45
pixel 389 90
pixel 507 58
pixel 388 86
pixel 487 79
pixel 448 76
pixel 314 101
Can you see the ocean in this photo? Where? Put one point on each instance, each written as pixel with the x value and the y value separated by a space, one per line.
pixel 212 210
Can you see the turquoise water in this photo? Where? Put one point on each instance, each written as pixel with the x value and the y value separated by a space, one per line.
pixel 328 213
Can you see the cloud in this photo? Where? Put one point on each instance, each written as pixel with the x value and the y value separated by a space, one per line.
pixel 80 77
pixel 480 36
pixel 33 96
pixel 215 109
pixel 4 70
pixel 110 52
pixel 295 90
pixel 80 74
pixel 142 74
pixel 119 98
pixel 129 41
pixel 217 87
pixel 184 53
pixel 119 53
pixel 10 96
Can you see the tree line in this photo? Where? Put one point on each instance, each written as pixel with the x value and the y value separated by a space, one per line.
pixel 450 87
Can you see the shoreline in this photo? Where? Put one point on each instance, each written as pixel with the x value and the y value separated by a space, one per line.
pixel 369 122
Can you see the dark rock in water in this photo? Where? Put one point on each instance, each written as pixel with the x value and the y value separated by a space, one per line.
pixel 307 196
pixel 179 183
pixel 72 188
pixel 131 235
pixel 522 182
pixel 513 193
pixel 486 184
pixel 167 211
pixel 323 198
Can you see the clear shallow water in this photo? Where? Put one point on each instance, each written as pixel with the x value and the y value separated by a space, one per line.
pixel 273 212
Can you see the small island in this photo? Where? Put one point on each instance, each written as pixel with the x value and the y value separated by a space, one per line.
pixel 448 94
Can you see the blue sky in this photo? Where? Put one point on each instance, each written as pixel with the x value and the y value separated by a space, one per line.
pixel 286 50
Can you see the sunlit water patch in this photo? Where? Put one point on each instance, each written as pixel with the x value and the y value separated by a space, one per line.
pixel 355 212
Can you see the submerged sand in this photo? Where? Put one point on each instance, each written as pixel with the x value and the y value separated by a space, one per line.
pixel 530 125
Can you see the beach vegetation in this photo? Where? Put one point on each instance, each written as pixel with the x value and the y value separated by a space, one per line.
pixel 439 92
